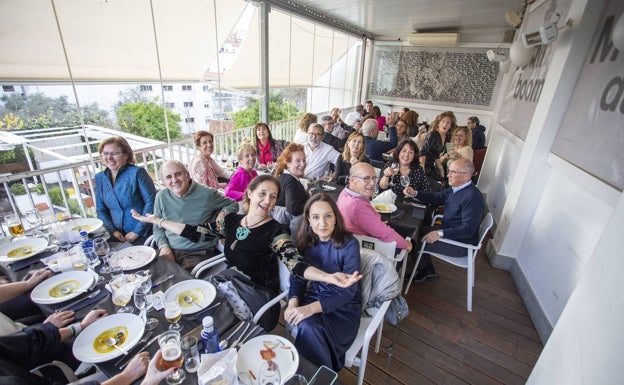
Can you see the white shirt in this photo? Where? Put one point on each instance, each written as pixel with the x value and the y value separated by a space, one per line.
pixel 353 117
pixel 316 161
pixel 300 137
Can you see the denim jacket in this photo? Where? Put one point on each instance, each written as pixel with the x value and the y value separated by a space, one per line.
pixel 134 189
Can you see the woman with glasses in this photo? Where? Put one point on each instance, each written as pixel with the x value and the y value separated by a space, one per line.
pixel 122 187
pixel 354 152
pixel 405 154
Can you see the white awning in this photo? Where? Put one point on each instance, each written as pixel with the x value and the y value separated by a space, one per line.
pixel 299 53
pixel 112 40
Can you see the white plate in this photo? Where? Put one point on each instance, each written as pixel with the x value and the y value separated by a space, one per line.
pixel 384 208
pixel 286 356
pixel 89 225
pixel 132 326
pixel 21 249
pixel 133 257
pixel 203 293
pixel 78 281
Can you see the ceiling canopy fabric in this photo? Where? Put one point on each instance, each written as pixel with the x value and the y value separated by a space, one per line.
pixel 112 40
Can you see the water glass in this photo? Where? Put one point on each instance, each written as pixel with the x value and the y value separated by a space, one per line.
pixel 191 353
pixel 14 224
pixel 34 219
pixel 405 180
pixel 92 257
pixel 296 379
pixel 269 374
pixel 143 300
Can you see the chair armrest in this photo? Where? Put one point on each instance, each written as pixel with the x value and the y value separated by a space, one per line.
pixel 268 305
pixel 460 244
pixel 436 217
pixel 207 264
pixel 403 253
pixel 67 371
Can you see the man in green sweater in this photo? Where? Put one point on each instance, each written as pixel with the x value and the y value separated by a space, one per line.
pixel 187 202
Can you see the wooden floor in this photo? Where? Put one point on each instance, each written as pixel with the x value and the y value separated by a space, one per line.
pixel 440 342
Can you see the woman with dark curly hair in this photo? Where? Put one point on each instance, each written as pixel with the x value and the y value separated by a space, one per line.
pixel 406 155
pixel 327 317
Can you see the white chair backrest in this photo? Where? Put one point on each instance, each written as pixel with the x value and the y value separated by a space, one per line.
pixel 384 248
pixel 486 225
pixel 377 172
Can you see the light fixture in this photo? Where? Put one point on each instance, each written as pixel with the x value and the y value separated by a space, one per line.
pixel 519 54
pixel 617 33
pixel 434 39
pixel 493 56
pixel 513 19
pixel 546 33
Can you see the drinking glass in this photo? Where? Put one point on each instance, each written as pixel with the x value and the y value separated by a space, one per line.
pixel 122 294
pixel 327 176
pixel 172 356
pixel 270 167
pixel 269 374
pixel 173 313
pixel 34 219
pixel 296 379
pixel 102 248
pixel 14 224
pixel 143 301
pixel 92 258
pixel 395 168
pixel 405 180
pixel 191 353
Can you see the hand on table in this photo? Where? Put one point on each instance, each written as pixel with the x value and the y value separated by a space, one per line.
pixel 120 237
pixel 92 316
pixel 37 277
pixel 131 236
pixel 60 319
pixel 167 253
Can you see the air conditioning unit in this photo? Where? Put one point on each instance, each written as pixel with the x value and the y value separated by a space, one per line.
pixel 434 39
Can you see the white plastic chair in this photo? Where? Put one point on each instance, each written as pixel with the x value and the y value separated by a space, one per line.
pixel 385 248
pixel 466 262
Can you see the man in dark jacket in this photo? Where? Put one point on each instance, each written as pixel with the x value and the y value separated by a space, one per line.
pixel 463 209
pixel 478 132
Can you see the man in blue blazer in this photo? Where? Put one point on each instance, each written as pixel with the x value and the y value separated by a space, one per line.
pixel 464 207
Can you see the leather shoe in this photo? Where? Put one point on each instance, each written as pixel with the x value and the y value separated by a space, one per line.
pixel 425 276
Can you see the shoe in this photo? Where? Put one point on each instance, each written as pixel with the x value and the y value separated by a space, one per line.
pixel 425 276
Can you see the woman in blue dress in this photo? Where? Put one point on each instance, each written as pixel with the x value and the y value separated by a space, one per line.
pixel 327 317
pixel 121 187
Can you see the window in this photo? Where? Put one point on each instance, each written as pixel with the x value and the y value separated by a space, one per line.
pixel 167 88
pixel 145 88
pixel 170 106
pixel 207 88
pixel 207 119
pixel 188 104
pixel 206 105
pixel 8 88
pixel 187 87
pixel 189 120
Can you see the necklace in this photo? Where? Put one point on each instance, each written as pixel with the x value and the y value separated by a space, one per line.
pixel 242 232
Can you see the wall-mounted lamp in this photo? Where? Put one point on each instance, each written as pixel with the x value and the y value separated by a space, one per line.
pixel 545 34
pixel 519 54
pixel 502 60
pixel 617 33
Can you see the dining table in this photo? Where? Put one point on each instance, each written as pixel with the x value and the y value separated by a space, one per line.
pixel 223 314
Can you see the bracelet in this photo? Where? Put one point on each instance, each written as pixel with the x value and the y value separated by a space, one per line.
pixel 160 221
pixel 75 329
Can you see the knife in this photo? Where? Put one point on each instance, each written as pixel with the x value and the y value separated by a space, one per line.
pixel 93 294
pixel 162 280
pixel 251 332
pixel 154 339
pixel 141 341
pixel 242 334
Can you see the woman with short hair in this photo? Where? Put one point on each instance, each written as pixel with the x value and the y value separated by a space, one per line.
pixel 203 169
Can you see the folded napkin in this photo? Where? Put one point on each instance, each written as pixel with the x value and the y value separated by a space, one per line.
pixel 385 197
pixel 61 261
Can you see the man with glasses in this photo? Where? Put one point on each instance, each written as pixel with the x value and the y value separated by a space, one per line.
pixel 318 154
pixel 359 215
pixel 463 209
pixel 330 137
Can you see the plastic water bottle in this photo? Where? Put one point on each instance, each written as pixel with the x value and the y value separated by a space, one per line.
pixel 209 336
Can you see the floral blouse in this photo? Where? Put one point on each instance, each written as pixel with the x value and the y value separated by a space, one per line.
pixel 205 171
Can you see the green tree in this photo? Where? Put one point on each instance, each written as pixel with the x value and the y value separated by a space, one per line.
pixel 147 119
pixel 279 109
pixel 40 111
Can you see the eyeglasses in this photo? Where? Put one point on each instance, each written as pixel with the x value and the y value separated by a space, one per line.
pixel 366 179
pixel 314 134
pixel 451 172
pixel 113 153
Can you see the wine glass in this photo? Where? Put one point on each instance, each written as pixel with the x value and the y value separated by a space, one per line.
pixel 269 374
pixel 395 168
pixel 173 313
pixel 122 294
pixel 327 176
pixel 223 158
pixel 172 356
pixel 270 167
pixel 102 248
pixel 405 180
pixel 143 301
pixel 34 219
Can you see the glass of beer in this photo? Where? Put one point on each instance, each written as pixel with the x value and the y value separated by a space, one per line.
pixel 173 313
pixel 172 356
pixel 14 224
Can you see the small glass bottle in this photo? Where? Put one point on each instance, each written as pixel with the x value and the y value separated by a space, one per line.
pixel 84 236
pixel 209 337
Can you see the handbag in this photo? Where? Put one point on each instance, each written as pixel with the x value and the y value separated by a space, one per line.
pixel 397 311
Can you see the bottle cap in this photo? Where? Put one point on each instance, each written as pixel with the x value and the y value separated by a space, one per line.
pixel 207 322
pixel 84 234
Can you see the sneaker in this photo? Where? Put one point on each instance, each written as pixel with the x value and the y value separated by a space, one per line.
pixel 425 276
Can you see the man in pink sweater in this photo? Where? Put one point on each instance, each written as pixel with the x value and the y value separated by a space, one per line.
pixel 359 215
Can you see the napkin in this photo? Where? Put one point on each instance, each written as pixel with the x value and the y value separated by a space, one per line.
pixel 218 368
pixel 385 197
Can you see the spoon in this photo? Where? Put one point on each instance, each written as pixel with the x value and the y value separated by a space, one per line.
pixel 112 342
pixel 69 290
pixel 225 342
pixel 189 299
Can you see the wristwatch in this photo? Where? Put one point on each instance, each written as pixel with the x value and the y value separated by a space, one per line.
pixel 441 233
